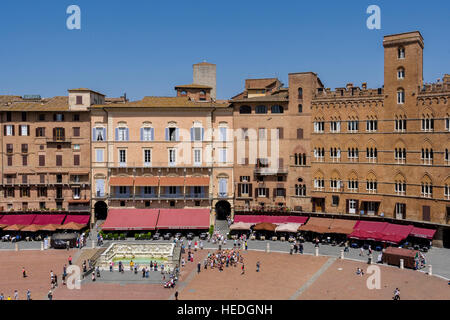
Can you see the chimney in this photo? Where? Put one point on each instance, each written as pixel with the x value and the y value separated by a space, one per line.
pixel 349 85
pixel 364 85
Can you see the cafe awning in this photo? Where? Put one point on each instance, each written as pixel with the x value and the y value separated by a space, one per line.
pixel 121 181
pixel 31 228
pixel 288 227
pixel 171 181
pixel 318 225
pixel 183 219
pixel 146 181
pixel 422 233
pixel 241 226
pixel 131 219
pixel 22 219
pixel 43 219
pixel 394 233
pixel 270 219
pixel 342 226
pixel 14 227
pixel 77 218
pixel 367 230
pixel 197 181
pixel 265 226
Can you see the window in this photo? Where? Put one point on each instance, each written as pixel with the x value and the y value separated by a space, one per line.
pixel 147 134
pixel 24 161
pixel 319 183
pixel 447 123
pixel 58 117
pixel 300 190
pixel 352 185
pixel 335 126
pixel 8 116
pixel 401 74
pixel 334 201
pixel 400 187
pixel 76 159
pixel 40 132
pixel 245 110
pixel 75 117
pixel 427 190
pixel 148 190
pixel 401 53
pixel 41 117
pixel 76 131
pixel 79 100
pixel 76 193
pixel 300 159
pixel 58 160
pixel 300 93
pixel 427 156
pixel 9 148
pixel 400 155
pixel 261 109
pixel 99 134
pixel 123 190
pixel 41 160
pixel 9 130
pixel 299 133
pixel 371 154
pixel 261 133
pixel 122 134
pixel 42 191
pixel 300 108
pixel 10 161
pixel 400 96
pixel 446 157
pixel 277 109
pixel 222 155
pixel 147 157
pixel 335 184
pixel 371 186
pixel 76 147
pixel 223 187
pixel 400 124
pixel 261 192
pixel 59 178
pixel 352 126
pixel 400 211
pixel 335 154
pixel 245 188
pixel 197 157
pixel 319 154
pixel 58 134
pixel 172 190
pixel 319 126
pixel 172 134
pixel 222 134
pixel 371 125
pixel 447 192
pixel 122 157
pixel 197 134
pixel 172 157
pixel 353 154
pixel 427 123
pixel 24 116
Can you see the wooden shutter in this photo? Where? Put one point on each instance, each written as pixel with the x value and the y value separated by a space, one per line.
pixel 274 193
pixel 347 210
pixel 4 130
pixel 280 133
pixel 426 213
pixel 299 133
pixel 59 160
pixel 76 159
pixel 10 160
pixel 250 189
pixel 24 161
pixel 239 189
pixel 28 130
pixel 41 160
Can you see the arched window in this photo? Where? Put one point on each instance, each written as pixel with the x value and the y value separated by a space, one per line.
pixel 319 182
pixel 401 53
pixel 352 182
pixel 371 183
pixel 300 188
pixel 400 96
pixel 400 185
pixel 427 187
pixel 261 109
pixel 183 93
pixel 300 108
pixel 300 93
pixel 400 73
pixel 245 110
pixel 277 109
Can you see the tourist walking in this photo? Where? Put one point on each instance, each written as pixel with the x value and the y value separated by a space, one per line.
pixel 246 245
pixel 176 295
pixel 50 295
pixel 111 264
pixel 16 295
pixel 28 295
pixel 24 273
pixel 2 297
pixel 257 266
pixel 243 269
pixel 70 260
pixel 199 266
pixel 396 294
pixel 361 251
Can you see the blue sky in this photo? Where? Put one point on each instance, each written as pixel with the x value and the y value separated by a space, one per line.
pixel 147 47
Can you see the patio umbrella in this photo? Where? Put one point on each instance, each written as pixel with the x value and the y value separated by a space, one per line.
pixel 288 227
pixel 72 226
pixel 265 226
pixel 50 227
pixel 31 228
pixel 3 226
pixel 14 227
pixel 241 226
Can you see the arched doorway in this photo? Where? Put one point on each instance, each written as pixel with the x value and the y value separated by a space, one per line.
pixel 223 210
pixel 100 210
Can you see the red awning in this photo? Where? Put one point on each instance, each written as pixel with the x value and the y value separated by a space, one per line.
pixel 171 181
pixel 22 219
pixel 197 181
pixel 146 181
pixel 183 219
pixel 422 233
pixel 44 219
pixel 367 230
pixel 131 219
pixel 394 233
pixel 77 218
pixel 269 219
pixel 121 181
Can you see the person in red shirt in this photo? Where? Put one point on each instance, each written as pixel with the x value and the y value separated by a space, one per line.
pixel 24 273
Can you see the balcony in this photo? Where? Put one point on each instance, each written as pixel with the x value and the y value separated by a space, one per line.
pixel 59 140
pixel 267 171
pixel 172 196
pixel 197 196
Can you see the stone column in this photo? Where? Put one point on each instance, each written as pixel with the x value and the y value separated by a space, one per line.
pixel 93 244
pixel 342 254
pixel 268 247
pixel 16 246
pixel 402 264
pixel 430 270
pixel 316 251
pixel 42 245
